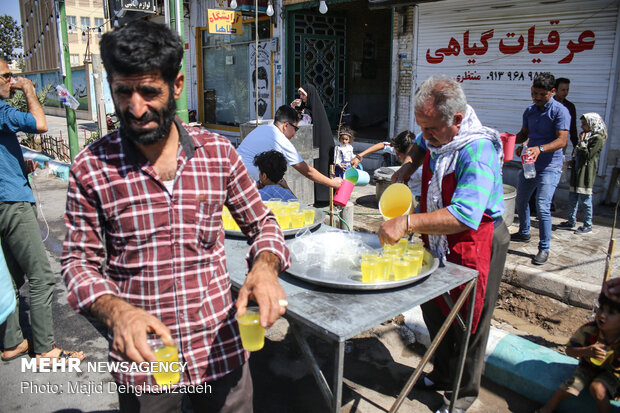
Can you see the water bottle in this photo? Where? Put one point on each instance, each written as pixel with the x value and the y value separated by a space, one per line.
pixel 529 166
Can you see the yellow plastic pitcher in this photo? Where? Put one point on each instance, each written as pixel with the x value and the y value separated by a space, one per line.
pixel 395 201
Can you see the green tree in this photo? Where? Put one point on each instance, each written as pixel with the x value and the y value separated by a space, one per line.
pixel 10 37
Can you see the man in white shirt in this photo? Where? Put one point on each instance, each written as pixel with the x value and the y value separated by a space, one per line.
pixel 277 136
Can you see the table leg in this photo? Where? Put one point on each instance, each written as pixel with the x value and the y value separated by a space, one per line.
pixel 314 367
pixel 433 347
pixel 464 345
pixel 338 372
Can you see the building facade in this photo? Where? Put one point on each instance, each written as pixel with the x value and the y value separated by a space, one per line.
pixel 40 28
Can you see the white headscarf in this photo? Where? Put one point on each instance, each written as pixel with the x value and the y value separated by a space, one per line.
pixel 446 156
pixel 596 124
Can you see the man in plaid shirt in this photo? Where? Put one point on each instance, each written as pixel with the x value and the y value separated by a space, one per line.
pixel 144 251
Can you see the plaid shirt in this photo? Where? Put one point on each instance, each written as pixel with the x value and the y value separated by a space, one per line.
pixel 129 237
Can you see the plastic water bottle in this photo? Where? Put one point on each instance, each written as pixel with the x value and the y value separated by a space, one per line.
pixel 529 166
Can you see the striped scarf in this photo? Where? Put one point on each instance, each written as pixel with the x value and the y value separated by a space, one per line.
pixel 445 161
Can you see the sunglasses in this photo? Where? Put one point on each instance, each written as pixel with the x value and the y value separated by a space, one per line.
pixel 7 75
pixel 294 127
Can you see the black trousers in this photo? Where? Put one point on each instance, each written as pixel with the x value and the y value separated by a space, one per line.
pixel 232 393
pixel 446 357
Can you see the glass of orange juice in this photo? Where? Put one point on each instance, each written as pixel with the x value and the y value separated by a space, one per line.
pixel 252 333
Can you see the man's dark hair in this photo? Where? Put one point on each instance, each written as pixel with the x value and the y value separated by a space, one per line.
pixel 403 141
pixel 544 80
pixel 561 80
pixel 272 163
pixel 614 306
pixel 285 113
pixel 140 47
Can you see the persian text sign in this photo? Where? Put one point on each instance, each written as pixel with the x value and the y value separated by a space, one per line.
pixel 224 21
pixel 514 43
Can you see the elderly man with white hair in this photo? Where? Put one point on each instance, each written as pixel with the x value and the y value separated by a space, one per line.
pixel 461 222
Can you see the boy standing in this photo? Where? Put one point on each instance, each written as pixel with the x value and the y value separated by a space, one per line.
pixel 597 344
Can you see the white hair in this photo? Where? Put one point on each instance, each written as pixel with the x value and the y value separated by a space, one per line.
pixel 446 95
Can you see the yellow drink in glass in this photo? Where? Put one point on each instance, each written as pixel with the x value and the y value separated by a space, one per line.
pixel 417 259
pixel 297 219
pixel 167 374
pixel 386 270
pixel 401 268
pixel 402 245
pixel 415 246
pixel 600 362
pixel 284 219
pixel 252 333
pixel 294 205
pixel 308 216
pixel 369 267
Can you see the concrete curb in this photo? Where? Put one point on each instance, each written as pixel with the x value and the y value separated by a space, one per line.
pixel 520 365
pixel 59 169
pixel 576 293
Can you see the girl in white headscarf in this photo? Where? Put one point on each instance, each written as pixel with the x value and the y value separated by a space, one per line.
pixel 583 174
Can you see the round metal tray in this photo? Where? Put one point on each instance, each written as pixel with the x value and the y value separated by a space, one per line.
pixel 349 277
pixel 319 217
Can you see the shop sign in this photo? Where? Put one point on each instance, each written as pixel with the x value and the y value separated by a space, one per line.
pixel 224 22
pixel 119 7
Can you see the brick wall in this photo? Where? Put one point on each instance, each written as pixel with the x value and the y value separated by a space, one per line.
pixel 402 76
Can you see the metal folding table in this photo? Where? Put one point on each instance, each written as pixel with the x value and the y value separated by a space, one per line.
pixel 338 315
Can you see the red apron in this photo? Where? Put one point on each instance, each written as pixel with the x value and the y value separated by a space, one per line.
pixel 469 248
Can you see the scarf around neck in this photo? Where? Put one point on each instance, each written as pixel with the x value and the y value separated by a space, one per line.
pixel 445 162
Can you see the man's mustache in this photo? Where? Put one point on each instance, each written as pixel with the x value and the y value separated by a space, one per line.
pixel 151 115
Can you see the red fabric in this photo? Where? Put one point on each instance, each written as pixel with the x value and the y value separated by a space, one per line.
pixel 469 248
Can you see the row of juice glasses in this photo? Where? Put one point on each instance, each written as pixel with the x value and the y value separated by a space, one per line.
pixel 291 214
pixel 395 262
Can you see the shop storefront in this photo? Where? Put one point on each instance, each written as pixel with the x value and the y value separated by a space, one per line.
pixel 495 49
pixel 227 76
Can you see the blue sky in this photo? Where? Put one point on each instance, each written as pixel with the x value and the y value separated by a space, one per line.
pixel 10 7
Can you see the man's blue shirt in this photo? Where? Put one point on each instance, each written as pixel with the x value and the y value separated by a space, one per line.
pixel 479 184
pixel 14 185
pixel 542 126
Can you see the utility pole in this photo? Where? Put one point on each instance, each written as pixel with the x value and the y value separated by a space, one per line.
pixel 99 97
pixel 176 21
pixel 65 64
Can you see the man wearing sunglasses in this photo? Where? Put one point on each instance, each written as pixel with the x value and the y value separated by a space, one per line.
pixel 19 230
pixel 277 136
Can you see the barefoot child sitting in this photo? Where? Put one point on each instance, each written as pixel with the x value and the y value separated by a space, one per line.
pixel 597 345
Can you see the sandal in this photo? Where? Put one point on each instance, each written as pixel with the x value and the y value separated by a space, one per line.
pixel 64 355
pixel 20 354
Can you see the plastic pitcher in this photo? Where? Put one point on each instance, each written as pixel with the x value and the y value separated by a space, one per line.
pixel 342 195
pixel 357 177
pixel 395 201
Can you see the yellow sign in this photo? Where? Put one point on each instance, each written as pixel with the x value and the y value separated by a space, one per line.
pixel 224 21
